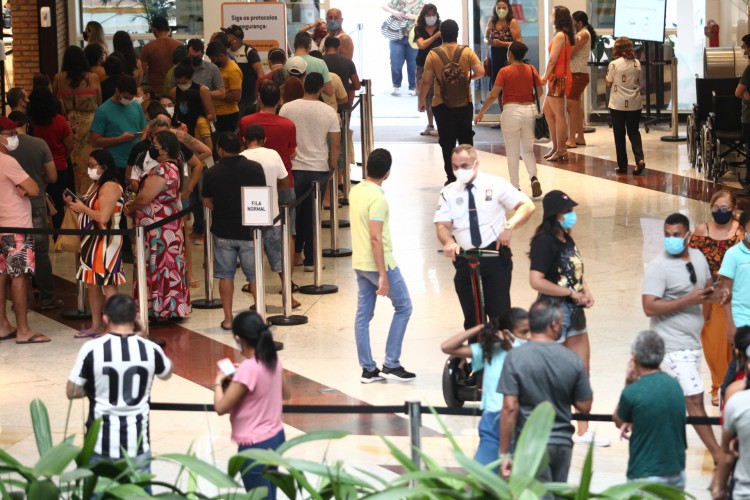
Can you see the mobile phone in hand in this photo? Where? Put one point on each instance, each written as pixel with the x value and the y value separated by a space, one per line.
pixel 71 194
pixel 226 366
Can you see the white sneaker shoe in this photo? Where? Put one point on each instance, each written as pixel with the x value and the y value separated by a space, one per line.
pixel 589 437
pixel 395 91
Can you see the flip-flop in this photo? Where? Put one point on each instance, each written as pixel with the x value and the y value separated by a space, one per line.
pixel 296 304
pixel 194 283
pixel 85 334
pixel 295 288
pixel 224 327
pixel 246 288
pixel 34 339
pixel 10 336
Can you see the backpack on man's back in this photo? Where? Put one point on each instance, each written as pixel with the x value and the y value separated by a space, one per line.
pixel 454 83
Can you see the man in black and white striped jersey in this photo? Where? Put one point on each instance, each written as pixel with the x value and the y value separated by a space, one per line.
pixel 115 372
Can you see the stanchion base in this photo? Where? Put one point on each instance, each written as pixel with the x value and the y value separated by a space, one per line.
pixel 318 290
pixel 669 138
pixel 278 345
pixel 589 130
pixel 294 319
pixel 327 224
pixel 206 304
pixel 339 252
pixel 76 314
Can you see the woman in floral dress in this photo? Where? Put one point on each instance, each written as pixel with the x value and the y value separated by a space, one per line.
pixel 158 198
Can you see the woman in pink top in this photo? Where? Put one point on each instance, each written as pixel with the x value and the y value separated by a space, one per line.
pixel 253 397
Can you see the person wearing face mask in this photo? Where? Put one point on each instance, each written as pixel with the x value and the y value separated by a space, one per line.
pixel 184 77
pixel 541 370
pixel 471 214
pixel 204 72
pixel 227 109
pixel 427 36
pixel 334 23
pixel 101 267
pixel 496 338
pixel 675 286
pixel 714 238
pixel 248 59
pixel 502 30
pixel 557 271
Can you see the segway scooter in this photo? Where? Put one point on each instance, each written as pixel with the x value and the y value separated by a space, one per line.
pixel 460 382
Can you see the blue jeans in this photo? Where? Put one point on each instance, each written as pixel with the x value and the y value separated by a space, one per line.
pixel 252 477
pixel 226 254
pixel 489 438
pixel 303 180
pixel 367 282
pixel 676 480
pixel 402 52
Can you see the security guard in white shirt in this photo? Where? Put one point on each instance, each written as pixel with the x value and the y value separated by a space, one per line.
pixel 471 214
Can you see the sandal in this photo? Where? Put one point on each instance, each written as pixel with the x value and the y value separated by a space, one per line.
pixel 246 288
pixel 194 283
pixel 37 338
pixel 295 288
pixel 86 334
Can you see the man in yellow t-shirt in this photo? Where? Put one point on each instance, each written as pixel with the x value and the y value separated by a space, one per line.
pixel 227 110
pixel 377 272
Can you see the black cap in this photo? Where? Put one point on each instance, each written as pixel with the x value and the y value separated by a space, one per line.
pixel 555 202
pixel 235 31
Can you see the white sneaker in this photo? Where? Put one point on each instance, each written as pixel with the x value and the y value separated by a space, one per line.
pixel 414 91
pixel 589 437
pixel 395 91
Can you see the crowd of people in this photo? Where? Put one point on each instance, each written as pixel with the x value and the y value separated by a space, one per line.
pixel 117 140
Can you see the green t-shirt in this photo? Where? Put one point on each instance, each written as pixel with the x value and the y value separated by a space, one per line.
pixel 655 405
pixel 745 80
pixel 367 202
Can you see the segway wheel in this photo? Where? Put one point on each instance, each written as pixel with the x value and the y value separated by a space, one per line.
pixel 454 375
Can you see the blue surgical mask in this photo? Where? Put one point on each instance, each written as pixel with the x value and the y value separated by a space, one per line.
pixel 333 25
pixel 569 220
pixel 674 245
pixel 430 20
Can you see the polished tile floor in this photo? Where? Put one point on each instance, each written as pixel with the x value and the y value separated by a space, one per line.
pixel 619 230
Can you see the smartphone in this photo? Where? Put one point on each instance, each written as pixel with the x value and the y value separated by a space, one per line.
pixel 70 193
pixel 226 366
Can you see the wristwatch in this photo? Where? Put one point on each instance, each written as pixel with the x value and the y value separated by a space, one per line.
pixel 508 226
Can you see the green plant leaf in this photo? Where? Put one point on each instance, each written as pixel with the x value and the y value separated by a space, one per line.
pixel 285 483
pixel 271 457
pixel 637 488
pixel 40 423
pixel 202 469
pixel 446 431
pixel 89 442
pixel 75 475
pixel 43 489
pixel 531 447
pixel 381 482
pixel 55 460
pixel 313 436
pixel 127 491
pixel 403 492
pixel 490 482
pixel 586 475
pixel 400 456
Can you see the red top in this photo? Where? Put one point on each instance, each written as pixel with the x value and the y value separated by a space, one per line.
pixel 562 66
pixel 281 135
pixel 54 135
pixel 516 81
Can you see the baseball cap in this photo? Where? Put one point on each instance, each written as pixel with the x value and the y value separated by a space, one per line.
pixel 7 124
pixel 555 202
pixel 296 66
pixel 235 31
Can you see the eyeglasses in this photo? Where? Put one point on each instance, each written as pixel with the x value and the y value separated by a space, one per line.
pixel 691 270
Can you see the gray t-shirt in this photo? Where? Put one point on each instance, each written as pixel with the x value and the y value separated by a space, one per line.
pixel 546 371
pixel 668 278
pixel 737 421
pixel 32 153
pixel 207 74
pixel 745 80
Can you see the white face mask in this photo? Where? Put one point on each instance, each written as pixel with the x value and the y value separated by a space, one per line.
pixel 170 110
pixel 139 100
pixel 464 175
pixel 501 13
pixel 11 143
pixel 184 86
pixel 430 20
pixel 125 102
pixel 94 174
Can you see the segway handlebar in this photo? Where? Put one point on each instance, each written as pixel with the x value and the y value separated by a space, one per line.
pixel 478 252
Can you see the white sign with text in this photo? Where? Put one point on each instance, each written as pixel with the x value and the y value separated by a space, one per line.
pixel 256 206
pixel 264 24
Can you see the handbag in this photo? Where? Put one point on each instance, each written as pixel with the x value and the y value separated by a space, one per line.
pixel 541 129
pixel 68 242
pixel 487 67
pixel 51 209
pixel 394 28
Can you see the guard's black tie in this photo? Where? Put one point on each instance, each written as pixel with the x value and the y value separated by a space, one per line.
pixel 476 236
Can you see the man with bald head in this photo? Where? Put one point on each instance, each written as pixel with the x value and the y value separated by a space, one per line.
pixel 334 21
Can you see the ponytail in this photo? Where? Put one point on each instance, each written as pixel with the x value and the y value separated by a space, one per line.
pixel 265 350
pixel 581 17
pixel 254 332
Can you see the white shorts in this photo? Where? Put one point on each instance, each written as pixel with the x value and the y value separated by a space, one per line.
pixel 685 367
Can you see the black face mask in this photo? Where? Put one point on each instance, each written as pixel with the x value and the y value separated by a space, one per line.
pixel 85 36
pixel 196 60
pixel 153 153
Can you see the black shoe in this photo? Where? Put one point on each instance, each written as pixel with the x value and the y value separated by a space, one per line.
pixel 370 376
pixel 398 374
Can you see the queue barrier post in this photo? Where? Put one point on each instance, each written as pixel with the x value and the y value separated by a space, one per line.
pixel 140 255
pixel 673 137
pixel 208 267
pixel 260 283
pixel 414 409
pixel 318 288
pixel 366 128
pixel 286 319
pixel 347 173
pixel 335 200
pixel 334 224
pixel 80 312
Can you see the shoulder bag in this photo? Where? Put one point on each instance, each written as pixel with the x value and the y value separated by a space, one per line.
pixel 394 28
pixel 541 129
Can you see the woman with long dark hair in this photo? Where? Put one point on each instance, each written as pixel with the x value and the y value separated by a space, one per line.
pixel 579 67
pixel 624 76
pixel 95 57
pixel 427 37
pixel 79 90
pixel 559 81
pixel 557 272
pixel 53 129
pixel 101 255
pixel 502 30
pixel 123 44
pixel 253 395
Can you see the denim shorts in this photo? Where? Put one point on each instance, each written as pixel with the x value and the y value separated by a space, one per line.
pixel 272 247
pixel 226 253
pixel 287 197
pixel 567 328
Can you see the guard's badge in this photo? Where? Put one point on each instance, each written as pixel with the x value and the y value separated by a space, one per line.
pixel 459 201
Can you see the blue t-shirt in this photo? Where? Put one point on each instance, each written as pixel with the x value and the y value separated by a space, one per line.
pixel 491 399
pixel 113 119
pixel 736 266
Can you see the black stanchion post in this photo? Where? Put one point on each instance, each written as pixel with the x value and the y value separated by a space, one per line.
pixel 318 288
pixel 80 312
pixel 287 319
pixel 140 255
pixel 208 267
pixel 414 408
pixel 335 251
